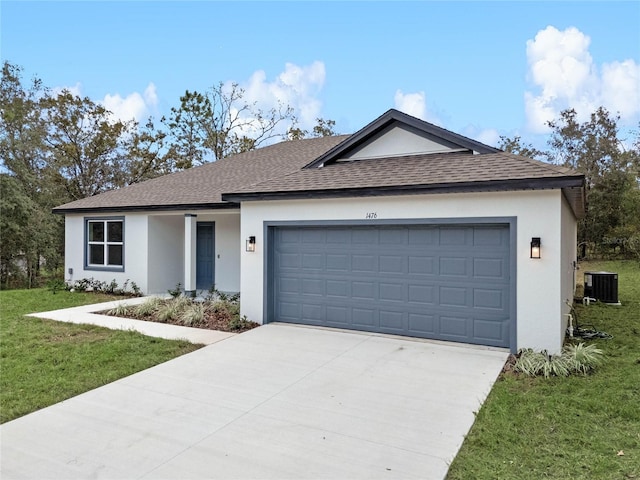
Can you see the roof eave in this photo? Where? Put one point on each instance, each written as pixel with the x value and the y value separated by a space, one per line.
pixel 457 187
pixel 148 208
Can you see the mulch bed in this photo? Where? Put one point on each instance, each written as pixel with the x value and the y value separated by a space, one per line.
pixel 216 317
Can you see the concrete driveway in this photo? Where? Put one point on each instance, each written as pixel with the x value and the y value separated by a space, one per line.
pixel 278 402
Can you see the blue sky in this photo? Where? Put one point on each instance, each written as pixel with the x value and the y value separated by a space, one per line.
pixel 482 69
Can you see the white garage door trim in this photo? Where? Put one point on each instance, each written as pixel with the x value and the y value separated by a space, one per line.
pixel 270 228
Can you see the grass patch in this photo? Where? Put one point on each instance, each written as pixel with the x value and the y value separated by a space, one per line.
pixel 43 362
pixel 568 427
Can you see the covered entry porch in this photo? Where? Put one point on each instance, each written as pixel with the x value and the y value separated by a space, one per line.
pixel 198 250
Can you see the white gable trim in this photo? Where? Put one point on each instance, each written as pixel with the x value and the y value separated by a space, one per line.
pixel 398 142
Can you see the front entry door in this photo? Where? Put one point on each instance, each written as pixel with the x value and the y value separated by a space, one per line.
pixel 205 255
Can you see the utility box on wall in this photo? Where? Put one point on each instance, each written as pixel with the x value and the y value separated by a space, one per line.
pixel 603 286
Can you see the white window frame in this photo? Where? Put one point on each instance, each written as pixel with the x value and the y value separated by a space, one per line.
pixel 105 243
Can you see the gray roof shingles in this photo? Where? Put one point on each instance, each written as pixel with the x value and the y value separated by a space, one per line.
pixel 411 170
pixel 279 169
pixel 205 184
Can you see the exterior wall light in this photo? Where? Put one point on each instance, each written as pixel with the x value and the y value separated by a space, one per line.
pixel 251 244
pixel 535 247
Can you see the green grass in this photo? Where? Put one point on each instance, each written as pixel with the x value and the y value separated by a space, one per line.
pixel 573 427
pixel 43 362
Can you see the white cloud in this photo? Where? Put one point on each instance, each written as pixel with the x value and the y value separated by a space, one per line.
pixel 414 104
pixel 134 106
pixel 621 88
pixel 565 76
pixel 488 136
pixel 297 87
pixel 76 90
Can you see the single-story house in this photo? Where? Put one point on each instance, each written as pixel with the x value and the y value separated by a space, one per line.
pixel 401 228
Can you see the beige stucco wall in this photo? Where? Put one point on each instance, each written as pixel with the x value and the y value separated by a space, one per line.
pixel 539 214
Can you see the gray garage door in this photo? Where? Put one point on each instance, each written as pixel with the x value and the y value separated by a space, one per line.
pixel 441 282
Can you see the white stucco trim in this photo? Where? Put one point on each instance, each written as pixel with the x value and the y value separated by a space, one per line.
pixel 190 229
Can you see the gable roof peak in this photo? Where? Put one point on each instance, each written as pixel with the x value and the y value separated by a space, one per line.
pixel 393 118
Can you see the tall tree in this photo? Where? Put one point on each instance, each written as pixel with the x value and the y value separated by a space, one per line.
pixel 218 123
pixel 515 145
pixel 594 148
pixel 30 233
pixel 86 145
pixel 322 128
pixel 57 148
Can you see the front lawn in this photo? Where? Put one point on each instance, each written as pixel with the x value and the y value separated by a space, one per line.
pixel 580 427
pixel 43 362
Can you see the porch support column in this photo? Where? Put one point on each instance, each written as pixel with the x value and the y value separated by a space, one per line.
pixel 190 227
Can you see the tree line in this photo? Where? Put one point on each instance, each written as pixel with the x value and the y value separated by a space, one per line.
pixel 57 147
pixel 611 165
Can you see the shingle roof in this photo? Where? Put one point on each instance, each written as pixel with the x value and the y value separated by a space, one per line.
pixel 277 171
pixel 411 170
pixel 203 186
pixel 424 173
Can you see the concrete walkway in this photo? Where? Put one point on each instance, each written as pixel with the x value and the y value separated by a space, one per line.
pixel 277 402
pixel 85 314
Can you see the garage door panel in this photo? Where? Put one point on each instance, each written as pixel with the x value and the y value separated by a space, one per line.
pixel 338 237
pixel 313 313
pixel 423 294
pixel 338 261
pixel 423 235
pixel 364 236
pixel 392 292
pixel 489 267
pixel 454 327
pixel 288 285
pixel 313 261
pixel 362 317
pixel 421 324
pixel 392 264
pixel 441 282
pixel 487 330
pixel 288 260
pixel 422 265
pixel 289 310
pixel 313 286
pixel 390 320
pixel 364 263
pixel 453 266
pixel 363 290
pixel 452 296
pixel 493 299
pixel 316 236
pixel 393 236
pixel 490 236
pixel 337 316
pixel 454 236
pixel 338 288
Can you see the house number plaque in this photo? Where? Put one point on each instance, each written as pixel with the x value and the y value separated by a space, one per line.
pixel 371 215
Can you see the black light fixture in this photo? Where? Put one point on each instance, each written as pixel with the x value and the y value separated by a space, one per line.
pixel 251 244
pixel 535 247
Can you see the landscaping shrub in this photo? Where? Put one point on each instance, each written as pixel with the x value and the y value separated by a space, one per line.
pixel 578 358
